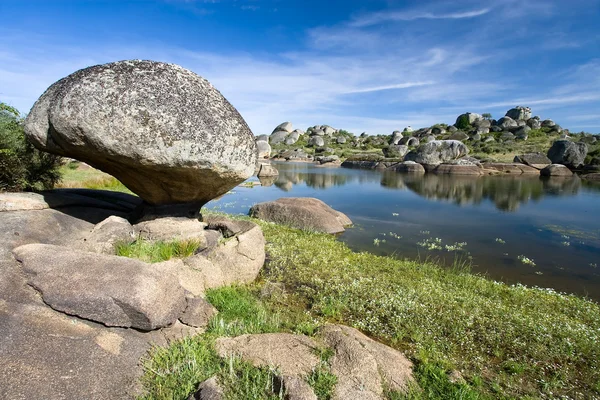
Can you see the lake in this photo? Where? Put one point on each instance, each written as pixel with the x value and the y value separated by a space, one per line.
pixel 528 230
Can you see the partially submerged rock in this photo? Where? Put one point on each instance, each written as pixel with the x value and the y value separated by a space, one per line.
pixel 510 168
pixel 556 170
pixel 115 291
pixel 168 135
pixel 302 213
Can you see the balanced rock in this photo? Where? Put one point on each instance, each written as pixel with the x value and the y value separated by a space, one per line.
pixel 302 213
pixel 571 154
pixel 162 130
pixel 438 151
pixel 285 126
pixel 519 113
pixel 115 291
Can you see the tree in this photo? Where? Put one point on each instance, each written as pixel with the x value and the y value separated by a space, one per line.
pixel 22 166
pixel 487 115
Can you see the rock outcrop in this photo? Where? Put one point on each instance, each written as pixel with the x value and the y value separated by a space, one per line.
pixel 302 213
pixel 162 130
pixel 115 291
pixel 535 160
pixel 571 154
pixel 438 151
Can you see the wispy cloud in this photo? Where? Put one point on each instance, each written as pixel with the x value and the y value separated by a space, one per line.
pixel 404 85
pixel 388 16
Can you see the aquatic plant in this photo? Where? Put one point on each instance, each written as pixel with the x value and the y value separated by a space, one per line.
pixel 526 260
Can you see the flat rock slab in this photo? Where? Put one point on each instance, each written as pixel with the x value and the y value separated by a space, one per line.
pixel 302 213
pixel 198 312
pixel 364 366
pixel 453 169
pixel 62 198
pixel 510 168
pixel 115 291
pixel 172 228
pixel 294 355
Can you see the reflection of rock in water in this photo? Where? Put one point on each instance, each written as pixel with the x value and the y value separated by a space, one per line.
pixel 393 180
pixel 267 180
pixel 315 180
pixel 507 192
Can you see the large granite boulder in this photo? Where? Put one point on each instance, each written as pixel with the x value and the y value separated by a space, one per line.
pixel 162 130
pixel 519 113
pixel 556 170
pixel 285 126
pixel 395 151
pixel 438 151
pixel 507 123
pixel 263 148
pixel 469 117
pixel 302 213
pixel 115 291
pixel 316 141
pixel 396 137
pixel 571 154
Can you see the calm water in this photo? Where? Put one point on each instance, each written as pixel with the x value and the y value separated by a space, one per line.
pixel 496 222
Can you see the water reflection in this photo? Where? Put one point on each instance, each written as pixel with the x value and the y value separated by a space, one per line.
pixel 506 192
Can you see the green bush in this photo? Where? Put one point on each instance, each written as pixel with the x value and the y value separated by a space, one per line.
pixel 463 123
pixel 22 166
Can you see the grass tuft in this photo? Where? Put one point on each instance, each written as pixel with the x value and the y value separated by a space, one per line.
pixel 158 251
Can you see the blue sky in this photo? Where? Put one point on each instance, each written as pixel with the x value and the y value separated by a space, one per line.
pixel 372 66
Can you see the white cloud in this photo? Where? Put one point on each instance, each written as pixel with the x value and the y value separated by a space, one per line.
pixel 388 16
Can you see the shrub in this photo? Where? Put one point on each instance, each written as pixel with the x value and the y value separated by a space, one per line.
pixel 22 166
pixel 462 123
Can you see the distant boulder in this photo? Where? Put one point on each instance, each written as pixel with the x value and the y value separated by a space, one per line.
pixel 340 140
pixel 459 135
pixel 534 123
pixel 556 170
pixel 519 113
pixel 286 126
pixel 316 141
pixel 548 123
pixel 395 151
pixel 410 141
pixel 571 154
pixel 469 118
pixel 262 137
pixel 278 137
pixel 507 123
pixel 264 149
pixel 396 137
pixel 438 151
pixel 535 160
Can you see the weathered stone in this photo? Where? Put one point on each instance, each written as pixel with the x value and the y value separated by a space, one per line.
pixel 458 169
pixel 548 123
pixel 264 138
pixel 316 141
pixel 115 291
pixel 263 148
pixel 238 259
pixel 556 170
pixel 297 389
pixel 396 137
pixel 571 154
pixel 106 234
pixel 470 118
pixel 172 228
pixel 507 123
pixel 409 141
pixel 302 213
pixel 534 123
pixel 408 167
pixel 340 140
pixel 285 126
pixel 519 113
pixel 535 160
pixel 507 136
pixel 363 366
pixel 396 151
pixel 162 130
pixel 278 137
pixel 198 312
pixel 329 159
pixel 228 227
pixel 510 168
pixel 208 390
pixel 294 355
pixel 593 177
pixel 459 135
pixel 438 151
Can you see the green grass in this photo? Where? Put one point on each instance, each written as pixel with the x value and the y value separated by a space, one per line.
pixel 74 176
pixel 506 341
pixel 157 251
